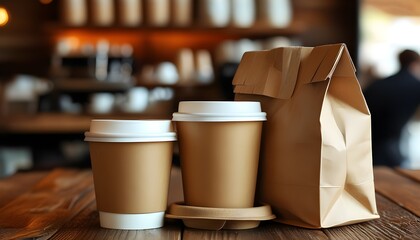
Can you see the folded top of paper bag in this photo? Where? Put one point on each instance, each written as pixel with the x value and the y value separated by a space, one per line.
pixel 276 74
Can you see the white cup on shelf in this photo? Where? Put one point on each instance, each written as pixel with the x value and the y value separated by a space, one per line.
pixel 130 12
pixel 276 13
pixel 243 13
pixel 216 13
pixel 186 65
pixel 204 67
pixel 166 73
pixel 182 12
pixel 103 12
pixel 158 12
pixel 74 12
pixel 102 102
pixel 136 100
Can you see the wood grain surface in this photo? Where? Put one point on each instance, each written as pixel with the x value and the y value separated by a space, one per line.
pixel 414 174
pixel 17 184
pixel 61 205
pixel 398 188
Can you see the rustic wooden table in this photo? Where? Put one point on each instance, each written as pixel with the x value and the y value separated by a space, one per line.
pixel 60 204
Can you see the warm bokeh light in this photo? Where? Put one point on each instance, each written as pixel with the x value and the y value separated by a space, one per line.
pixel 167 43
pixel 4 16
pixel 383 36
pixel 45 1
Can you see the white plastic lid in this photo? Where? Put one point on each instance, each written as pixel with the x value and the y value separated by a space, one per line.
pixel 107 130
pixel 131 221
pixel 219 111
pixel 164 137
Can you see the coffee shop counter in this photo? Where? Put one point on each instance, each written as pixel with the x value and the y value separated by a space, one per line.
pixel 60 204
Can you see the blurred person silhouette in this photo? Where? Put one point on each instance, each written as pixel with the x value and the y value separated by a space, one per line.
pixel 392 101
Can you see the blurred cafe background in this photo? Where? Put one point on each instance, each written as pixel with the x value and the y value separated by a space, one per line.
pixel 65 62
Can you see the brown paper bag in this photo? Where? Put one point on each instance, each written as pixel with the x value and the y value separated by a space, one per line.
pixel 316 160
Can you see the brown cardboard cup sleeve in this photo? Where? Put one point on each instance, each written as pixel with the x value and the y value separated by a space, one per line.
pixel 220 218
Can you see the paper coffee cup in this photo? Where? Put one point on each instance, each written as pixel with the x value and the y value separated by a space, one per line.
pixel 219 149
pixel 131 164
pixel 219 111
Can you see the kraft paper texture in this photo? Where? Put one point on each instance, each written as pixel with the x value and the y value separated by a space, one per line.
pixel 219 162
pixel 316 159
pixel 131 177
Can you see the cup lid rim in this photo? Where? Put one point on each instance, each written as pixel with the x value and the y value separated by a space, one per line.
pixel 127 135
pixel 209 117
pixel 129 120
pixel 128 126
pixel 104 137
pixel 219 107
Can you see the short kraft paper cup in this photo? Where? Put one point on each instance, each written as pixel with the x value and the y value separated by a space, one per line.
pixel 131 164
pixel 219 149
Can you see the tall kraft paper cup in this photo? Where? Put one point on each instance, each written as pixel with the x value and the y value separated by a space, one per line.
pixel 131 163
pixel 219 149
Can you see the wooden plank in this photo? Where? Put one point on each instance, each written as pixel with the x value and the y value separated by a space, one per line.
pixel 266 230
pixel 52 202
pixel 86 226
pixel 402 190
pixel 63 195
pixel 14 185
pixel 395 223
pixel 414 174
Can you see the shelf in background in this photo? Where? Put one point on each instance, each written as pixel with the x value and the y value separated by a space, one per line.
pixel 90 85
pixel 256 30
pixel 62 123
pixel 152 85
pixel 44 123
